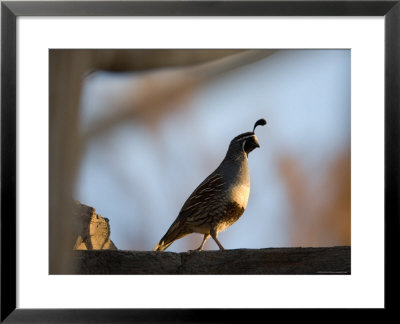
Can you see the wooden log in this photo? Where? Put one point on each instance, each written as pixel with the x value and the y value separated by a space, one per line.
pixel 321 260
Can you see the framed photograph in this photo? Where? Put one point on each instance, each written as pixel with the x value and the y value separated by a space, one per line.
pixel 131 130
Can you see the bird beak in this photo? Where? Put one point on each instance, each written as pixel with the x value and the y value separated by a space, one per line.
pixel 255 143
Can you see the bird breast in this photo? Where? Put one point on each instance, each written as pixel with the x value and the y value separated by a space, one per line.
pixel 239 194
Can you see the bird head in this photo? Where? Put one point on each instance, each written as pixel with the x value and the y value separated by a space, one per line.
pixel 245 142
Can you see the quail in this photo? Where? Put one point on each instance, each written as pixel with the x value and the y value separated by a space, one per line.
pixel 220 199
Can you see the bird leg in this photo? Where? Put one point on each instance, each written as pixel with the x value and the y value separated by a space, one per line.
pixel 214 236
pixel 206 236
pixel 200 248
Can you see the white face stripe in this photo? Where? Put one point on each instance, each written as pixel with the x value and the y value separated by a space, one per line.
pixel 242 138
pixel 244 142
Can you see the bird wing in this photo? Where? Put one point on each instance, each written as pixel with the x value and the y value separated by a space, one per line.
pixel 204 200
pixel 198 209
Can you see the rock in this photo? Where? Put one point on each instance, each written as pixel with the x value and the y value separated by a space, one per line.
pixel 93 229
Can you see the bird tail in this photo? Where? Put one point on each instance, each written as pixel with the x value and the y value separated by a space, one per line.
pixel 161 246
pixel 174 233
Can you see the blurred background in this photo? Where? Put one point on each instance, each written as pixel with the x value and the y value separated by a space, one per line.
pixel 157 122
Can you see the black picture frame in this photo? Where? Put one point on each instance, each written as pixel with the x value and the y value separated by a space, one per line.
pixel 11 10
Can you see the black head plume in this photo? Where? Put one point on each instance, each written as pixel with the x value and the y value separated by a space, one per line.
pixel 260 122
